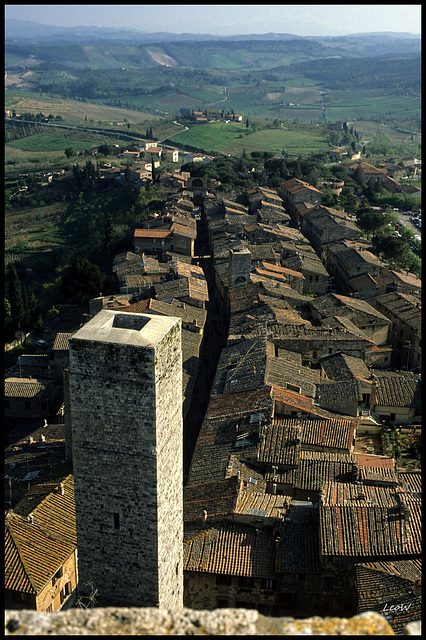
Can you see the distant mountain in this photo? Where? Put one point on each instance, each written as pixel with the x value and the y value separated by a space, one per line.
pixel 25 30
pixel 19 30
pixel 32 44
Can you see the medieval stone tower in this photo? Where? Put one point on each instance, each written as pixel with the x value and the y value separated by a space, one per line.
pixel 239 266
pixel 125 390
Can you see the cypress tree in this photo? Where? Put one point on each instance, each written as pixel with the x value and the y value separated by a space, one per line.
pixel 15 297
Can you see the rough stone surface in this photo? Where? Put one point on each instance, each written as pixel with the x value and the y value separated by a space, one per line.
pixel 136 621
pixel 125 392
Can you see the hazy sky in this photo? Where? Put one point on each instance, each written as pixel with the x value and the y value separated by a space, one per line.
pixel 229 19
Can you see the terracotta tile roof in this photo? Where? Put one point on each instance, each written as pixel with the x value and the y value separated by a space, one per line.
pixel 391 589
pixel 398 391
pixel 182 230
pixel 287 374
pixel 231 549
pixel 351 494
pixel 262 505
pixel 369 531
pixel 298 548
pixel 317 466
pixel 404 306
pixel 35 551
pixel 61 342
pixel 365 168
pixel 294 185
pixel 268 274
pixel 360 312
pixel 279 444
pixel 411 481
pixel 241 367
pixel 371 460
pixel 333 433
pixel 26 388
pixel 152 233
pixel 333 393
pixel 230 428
pixel 340 366
pixel 215 498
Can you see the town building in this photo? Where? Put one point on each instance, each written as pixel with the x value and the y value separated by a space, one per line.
pixel 128 474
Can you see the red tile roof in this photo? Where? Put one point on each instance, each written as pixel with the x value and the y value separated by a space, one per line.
pixel 35 551
pixel 231 549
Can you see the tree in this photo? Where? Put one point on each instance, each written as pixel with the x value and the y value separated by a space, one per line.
pixel 359 176
pixel 15 297
pixel 370 220
pixel 109 233
pixel 82 281
pixel 69 152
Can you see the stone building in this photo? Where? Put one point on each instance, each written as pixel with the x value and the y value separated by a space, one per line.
pixel 125 393
pixel 239 266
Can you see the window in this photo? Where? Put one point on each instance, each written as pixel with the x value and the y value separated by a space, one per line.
pixel 330 350
pixel 240 604
pixel 116 520
pixel 289 599
pixel 328 583
pixel 223 579
pixel 221 603
pixel 268 583
pixel 244 581
pixel 27 404
pixel 57 575
pixel 293 387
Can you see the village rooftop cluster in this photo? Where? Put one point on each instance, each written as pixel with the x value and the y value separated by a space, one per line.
pixel 293 502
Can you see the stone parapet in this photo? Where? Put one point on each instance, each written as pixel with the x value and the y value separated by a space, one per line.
pixel 149 621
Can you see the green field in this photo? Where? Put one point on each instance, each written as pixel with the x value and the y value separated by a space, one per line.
pixel 54 141
pixel 233 138
pixel 358 105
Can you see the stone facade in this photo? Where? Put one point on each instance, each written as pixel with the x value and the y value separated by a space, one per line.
pixel 126 412
pixel 239 266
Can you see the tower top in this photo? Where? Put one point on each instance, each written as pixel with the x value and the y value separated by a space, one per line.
pixel 118 327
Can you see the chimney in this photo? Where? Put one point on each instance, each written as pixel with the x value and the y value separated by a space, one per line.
pixel 30 518
pixel 405 512
pixel 61 489
pixel 417 587
pixel 204 516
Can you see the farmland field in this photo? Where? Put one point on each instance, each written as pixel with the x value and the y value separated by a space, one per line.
pixel 353 105
pixel 233 138
pixel 72 110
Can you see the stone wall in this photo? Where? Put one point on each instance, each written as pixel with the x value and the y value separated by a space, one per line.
pixel 133 621
pixel 126 413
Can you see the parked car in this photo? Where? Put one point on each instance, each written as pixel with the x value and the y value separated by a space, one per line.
pixel 42 344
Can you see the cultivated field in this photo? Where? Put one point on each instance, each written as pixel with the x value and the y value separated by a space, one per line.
pixel 74 110
pixel 234 138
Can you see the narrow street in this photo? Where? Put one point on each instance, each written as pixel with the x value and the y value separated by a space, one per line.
pixel 215 336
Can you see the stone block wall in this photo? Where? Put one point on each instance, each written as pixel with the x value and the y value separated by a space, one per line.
pixel 126 413
pixel 185 622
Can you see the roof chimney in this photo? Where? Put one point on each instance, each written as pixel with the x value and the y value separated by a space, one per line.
pixel 61 488
pixel 204 516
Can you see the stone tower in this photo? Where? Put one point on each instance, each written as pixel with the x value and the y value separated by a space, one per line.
pixel 125 389
pixel 239 266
